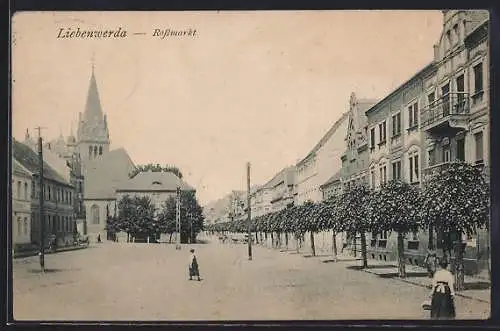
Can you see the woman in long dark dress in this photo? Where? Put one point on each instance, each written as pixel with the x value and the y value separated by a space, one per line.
pixel 443 293
pixel 193 266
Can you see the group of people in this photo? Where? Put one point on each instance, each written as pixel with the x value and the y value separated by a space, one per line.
pixel 442 303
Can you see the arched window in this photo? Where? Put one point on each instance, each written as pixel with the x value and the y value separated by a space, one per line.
pixel 100 150
pixel 94 211
pixel 25 191
pixel 90 151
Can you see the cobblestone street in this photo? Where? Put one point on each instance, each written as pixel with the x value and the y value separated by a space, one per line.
pixel 120 281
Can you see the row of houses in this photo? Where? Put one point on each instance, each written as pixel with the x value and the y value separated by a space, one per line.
pixel 439 115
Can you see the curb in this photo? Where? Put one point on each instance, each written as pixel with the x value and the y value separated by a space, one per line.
pixel 425 286
pixel 35 253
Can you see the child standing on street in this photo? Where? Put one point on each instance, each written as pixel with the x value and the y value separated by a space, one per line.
pixel 193 266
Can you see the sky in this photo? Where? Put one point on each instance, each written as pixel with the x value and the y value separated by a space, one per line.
pixel 259 87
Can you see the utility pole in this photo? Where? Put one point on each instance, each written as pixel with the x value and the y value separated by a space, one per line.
pixel 42 218
pixel 178 216
pixel 249 214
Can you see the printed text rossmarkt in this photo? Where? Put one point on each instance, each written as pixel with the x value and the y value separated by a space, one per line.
pixel 92 33
pixel 163 33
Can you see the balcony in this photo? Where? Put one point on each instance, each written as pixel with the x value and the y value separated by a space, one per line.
pixel 448 112
pixel 433 170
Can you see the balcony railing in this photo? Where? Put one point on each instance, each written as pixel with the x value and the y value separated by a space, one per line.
pixel 433 170
pixel 452 105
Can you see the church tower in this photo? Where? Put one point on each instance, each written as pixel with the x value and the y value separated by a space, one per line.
pixel 92 139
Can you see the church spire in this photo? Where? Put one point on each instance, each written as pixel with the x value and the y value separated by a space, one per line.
pixel 93 108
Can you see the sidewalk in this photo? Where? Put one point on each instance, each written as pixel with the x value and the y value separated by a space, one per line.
pixel 475 288
pixel 18 255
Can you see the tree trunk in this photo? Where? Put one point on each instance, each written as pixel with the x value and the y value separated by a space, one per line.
pixel 488 250
pixel 354 245
pixel 431 238
pixel 313 249
pixel 261 241
pixel 272 239
pixel 334 244
pixel 459 266
pixel 170 239
pixel 256 238
pixel 128 237
pixel 401 256
pixel 297 246
pixel 363 250
pixel 286 240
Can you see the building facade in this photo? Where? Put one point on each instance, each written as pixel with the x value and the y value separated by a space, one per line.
pixel 282 189
pixel 21 204
pixel 59 216
pixel 321 163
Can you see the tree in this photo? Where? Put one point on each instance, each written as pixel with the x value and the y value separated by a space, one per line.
pixel 353 213
pixel 192 218
pixel 155 168
pixel 328 220
pixel 456 201
pixel 395 207
pixel 125 211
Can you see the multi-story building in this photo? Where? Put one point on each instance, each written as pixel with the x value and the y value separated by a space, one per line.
pixel 59 194
pixel 282 189
pixel 439 115
pixel 455 116
pixel 356 157
pixel 260 200
pixel 321 163
pixel 21 204
pixel 395 149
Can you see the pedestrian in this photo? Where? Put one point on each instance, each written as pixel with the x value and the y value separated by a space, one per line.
pixel 99 238
pixel 193 266
pixel 431 262
pixel 443 293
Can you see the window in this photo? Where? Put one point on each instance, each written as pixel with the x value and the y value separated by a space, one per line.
pixel 445 92
pixel 90 151
pixel 19 226
pixel 95 214
pixel 49 192
pixel 18 189
pixel 382 133
pixel 478 78
pixel 414 168
pixel 33 190
pixel 413 115
pixel 396 124
pixel 383 235
pixel 456 35
pixel 432 157
pixel 460 106
pixel 478 137
pixel 448 39
pixel 25 226
pixel 100 150
pixel 396 170
pixel 383 174
pixel 430 98
pixel 372 176
pixel 446 153
pixel 372 138
pixel 461 149
pixel 95 151
pixel 25 191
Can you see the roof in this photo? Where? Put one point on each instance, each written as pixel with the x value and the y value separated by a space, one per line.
pixel 93 106
pixel 30 160
pixel 285 174
pixel 326 137
pixel 103 175
pixel 336 177
pixel 400 87
pixel 18 169
pixel 154 181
